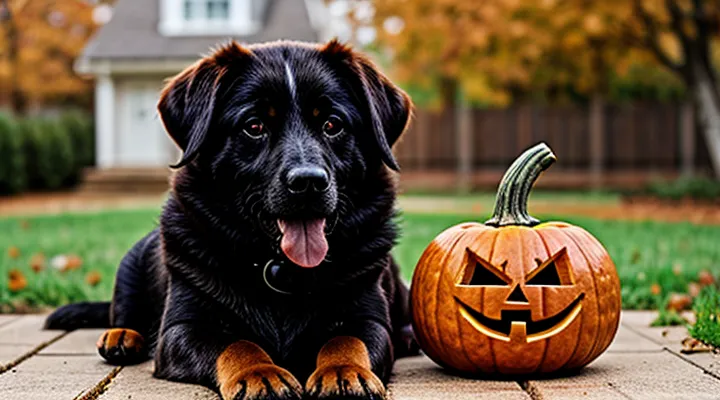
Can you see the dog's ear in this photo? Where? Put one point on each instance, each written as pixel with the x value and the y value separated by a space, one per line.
pixel 187 103
pixel 390 108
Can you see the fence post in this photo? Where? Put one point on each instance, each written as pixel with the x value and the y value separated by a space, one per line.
pixel 597 140
pixel 687 139
pixel 421 144
pixel 464 146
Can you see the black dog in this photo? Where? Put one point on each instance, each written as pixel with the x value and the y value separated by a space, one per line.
pixel 270 276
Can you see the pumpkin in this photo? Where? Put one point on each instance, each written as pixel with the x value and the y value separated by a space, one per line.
pixel 513 295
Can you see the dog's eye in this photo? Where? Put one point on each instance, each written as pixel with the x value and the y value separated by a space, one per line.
pixel 254 128
pixel 333 126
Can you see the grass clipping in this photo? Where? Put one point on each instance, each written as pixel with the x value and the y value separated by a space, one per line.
pixel 707 317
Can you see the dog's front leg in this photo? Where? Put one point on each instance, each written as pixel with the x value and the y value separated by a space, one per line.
pixel 239 371
pixel 246 372
pixel 353 367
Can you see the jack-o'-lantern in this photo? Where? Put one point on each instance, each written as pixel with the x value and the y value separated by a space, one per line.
pixel 513 295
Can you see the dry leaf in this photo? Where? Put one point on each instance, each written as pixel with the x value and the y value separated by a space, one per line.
pixel 16 281
pixel 74 262
pixel 694 289
pixel 679 302
pixel 37 262
pixel 655 289
pixel 93 278
pixel 692 345
pixel 706 278
pixel 13 252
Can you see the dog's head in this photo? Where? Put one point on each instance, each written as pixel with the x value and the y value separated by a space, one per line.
pixel 288 127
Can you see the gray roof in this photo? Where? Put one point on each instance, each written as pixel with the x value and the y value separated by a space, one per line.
pixel 133 32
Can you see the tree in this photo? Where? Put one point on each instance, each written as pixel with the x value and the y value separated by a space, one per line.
pixel 497 51
pixel 41 40
pixel 681 36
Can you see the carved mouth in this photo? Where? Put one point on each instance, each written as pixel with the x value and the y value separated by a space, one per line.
pixel 519 323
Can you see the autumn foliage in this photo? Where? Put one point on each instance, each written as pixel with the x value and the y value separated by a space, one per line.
pixel 40 41
pixel 499 50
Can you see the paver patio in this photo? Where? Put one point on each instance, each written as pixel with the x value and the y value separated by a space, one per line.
pixel 642 363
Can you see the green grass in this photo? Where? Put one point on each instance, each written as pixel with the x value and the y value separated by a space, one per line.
pixel 669 254
pixel 707 314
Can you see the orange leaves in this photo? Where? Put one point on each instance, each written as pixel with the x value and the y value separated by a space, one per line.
pixel 16 280
pixel 50 35
pixel 65 263
pixel 13 252
pixel 93 278
pixel 37 262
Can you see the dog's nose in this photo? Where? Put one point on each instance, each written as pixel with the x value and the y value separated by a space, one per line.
pixel 303 179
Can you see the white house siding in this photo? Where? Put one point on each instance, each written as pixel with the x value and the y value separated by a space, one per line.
pixel 139 139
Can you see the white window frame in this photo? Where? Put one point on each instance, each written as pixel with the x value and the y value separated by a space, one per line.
pixel 240 20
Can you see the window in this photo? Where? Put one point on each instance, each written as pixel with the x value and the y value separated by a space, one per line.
pixel 210 10
pixel 209 17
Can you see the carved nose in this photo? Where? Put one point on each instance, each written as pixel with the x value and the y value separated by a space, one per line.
pixel 304 179
pixel 517 295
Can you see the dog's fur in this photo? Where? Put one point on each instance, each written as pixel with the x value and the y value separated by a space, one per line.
pixel 193 293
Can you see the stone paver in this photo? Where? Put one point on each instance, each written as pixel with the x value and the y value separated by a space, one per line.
pixel 635 376
pixel 642 363
pixel 26 330
pixel 53 378
pixel 137 382
pixel 419 378
pixel 76 343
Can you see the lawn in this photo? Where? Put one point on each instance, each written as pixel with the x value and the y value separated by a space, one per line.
pixel 646 253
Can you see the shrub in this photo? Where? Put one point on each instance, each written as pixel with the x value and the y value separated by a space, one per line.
pixel 48 153
pixel 82 137
pixel 79 128
pixel 12 160
pixel 695 188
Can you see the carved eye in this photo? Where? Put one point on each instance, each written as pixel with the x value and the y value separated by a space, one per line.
pixel 553 272
pixel 481 273
pixel 254 128
pixel 333 126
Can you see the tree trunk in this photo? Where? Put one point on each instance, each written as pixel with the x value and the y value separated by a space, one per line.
pixel 708 114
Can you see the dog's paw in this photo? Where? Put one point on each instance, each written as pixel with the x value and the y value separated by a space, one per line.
pixel 345 382
pixel 262 381
pixel 120 346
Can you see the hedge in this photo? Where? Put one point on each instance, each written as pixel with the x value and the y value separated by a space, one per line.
pixel 39 153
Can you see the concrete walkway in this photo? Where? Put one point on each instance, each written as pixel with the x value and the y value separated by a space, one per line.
pixel 642 363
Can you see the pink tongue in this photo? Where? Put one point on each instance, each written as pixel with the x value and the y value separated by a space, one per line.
pixel 304 242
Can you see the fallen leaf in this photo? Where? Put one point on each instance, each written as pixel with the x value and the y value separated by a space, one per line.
pixel 694 289
pixel 13 252
pixel 93 278
pixel 655 289
pixel 679 302
pixel 73 262
pixel 37 262
pixel 692 345
pixel 706 278
pixel 16 281
pixel 664 332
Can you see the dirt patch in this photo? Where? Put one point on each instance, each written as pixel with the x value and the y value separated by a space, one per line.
pixel 638 210
pixel 62 202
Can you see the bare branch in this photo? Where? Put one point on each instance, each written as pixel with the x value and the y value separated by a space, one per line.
pixel 651 38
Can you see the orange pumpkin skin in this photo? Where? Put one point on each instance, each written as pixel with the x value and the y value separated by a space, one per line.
pixel 576 299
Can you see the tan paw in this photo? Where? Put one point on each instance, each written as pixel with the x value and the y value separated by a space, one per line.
pixel 262 381
pixel 344 382
pixel 121 346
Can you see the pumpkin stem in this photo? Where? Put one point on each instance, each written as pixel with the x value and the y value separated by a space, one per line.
pixel 514 190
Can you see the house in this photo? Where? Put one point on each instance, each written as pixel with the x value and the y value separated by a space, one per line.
pixel 148 41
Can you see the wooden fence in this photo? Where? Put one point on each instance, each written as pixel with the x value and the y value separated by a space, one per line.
pixel 617 146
